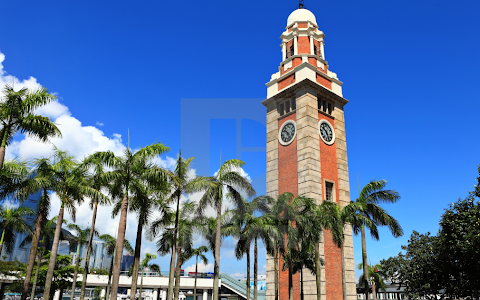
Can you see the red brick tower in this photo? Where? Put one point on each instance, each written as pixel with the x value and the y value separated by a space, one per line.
pixel 306 148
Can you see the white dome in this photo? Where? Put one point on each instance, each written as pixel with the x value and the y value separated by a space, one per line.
pixel 301 15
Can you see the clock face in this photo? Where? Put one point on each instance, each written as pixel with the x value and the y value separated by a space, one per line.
pixel 288 132
pixel 326 132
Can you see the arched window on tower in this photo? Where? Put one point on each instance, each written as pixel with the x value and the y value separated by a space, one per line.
pixel 290 51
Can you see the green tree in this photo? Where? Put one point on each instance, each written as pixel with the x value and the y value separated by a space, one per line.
pixel 460 237
pixel 325 216
pixel 181 182
pixel 97 180
pixel 110 246
pixel 228 179
pixel 375 275
pixel 17 115
pixel 251 222
pixel 129 176
pixel 185 230
pixel 420 269
pixel 198 253
pixel 144 265
pixel 80 238
pixel 13 220
pixel 47 234
pixel 144 203
pixel 371 195
pixel 63 175
pixel 40 181
pixel 62 275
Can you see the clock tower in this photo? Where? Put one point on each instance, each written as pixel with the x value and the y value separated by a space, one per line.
pixel 307 151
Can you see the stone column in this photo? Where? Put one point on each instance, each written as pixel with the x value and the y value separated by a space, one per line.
pixel 311 45
pixel 295 45
pixel 309 172
pixel 205 294
pixel 344 192
pixel 155 294
pixel 284 51
pixel 103 292
pixel 272 183
pixel 164 295
pixel 322 52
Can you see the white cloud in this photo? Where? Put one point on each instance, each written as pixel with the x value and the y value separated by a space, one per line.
pixel 201 268
pixel 80 140
pixel 99 124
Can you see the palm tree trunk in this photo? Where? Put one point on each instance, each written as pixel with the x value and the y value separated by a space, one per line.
pixel 195 283
pixel 344 283
pixel 1 240
pixel 248 272
pixel 77 264
pixel 374 293
pixel 109 279
pixel 318 272
pixel 122 226
pixel 301 284
pixel 364 261
pixel 177 272
pixel 136 261
pixel 34 286
pixel 216 268
pixel 172 259
pixel 290 281
pixel 89 251
pixel 275 263
pixel 53 254
pixel 33 250
pixel 2 147
pixel 141 286
pixel 255 271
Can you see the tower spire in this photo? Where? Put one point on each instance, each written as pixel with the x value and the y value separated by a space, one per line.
pixel 301 4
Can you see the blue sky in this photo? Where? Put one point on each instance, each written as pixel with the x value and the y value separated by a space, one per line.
pixel 191 74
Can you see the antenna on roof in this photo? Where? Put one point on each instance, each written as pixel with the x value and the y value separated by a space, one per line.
pixel 301 4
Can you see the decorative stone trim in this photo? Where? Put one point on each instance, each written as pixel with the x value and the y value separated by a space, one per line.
pixel 333 132
pixel 280 133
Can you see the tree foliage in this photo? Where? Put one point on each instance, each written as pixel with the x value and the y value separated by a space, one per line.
pixel 447 263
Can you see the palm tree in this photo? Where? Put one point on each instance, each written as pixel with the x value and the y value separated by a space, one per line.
pixel 39 181
pixel 110 245
pixel 47 234
pixel 185 230
pixel 198 252
pixel 130 173
pixel 375 275
pixel 97 181
pixel 181 182
pixel 296 213
pixel 17 114
pixel 369 199
pixel 64 176
pixel 144 204
pixel 325 217
pixel 248 228
pixel 13 220
pixel 79 239
pixel 228 179
pixel 146 264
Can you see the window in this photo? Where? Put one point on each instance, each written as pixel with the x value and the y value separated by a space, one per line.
pixel 325 106
pixel 290 51
pixel 286 106
pixel 315 50
pixel 329 190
